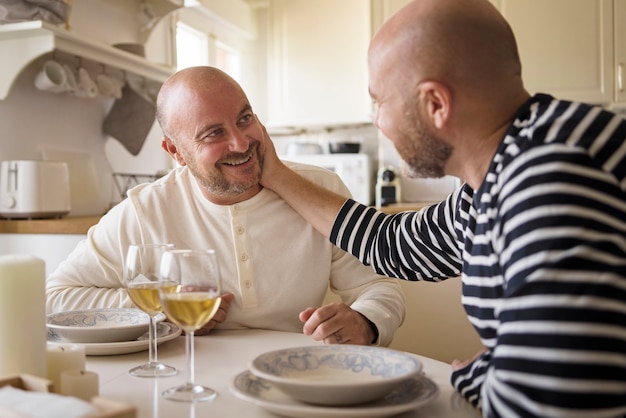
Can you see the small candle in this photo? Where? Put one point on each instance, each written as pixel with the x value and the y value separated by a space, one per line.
pixel 63 358
pixel 79 384
pixel 22 315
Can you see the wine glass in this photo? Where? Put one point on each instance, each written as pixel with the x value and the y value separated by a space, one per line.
pixel 142 282
pixel 190 294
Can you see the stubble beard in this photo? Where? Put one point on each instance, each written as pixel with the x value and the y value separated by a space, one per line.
pixel 423 154
pixel 216 183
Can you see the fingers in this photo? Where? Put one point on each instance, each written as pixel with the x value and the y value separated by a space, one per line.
pixel 306 314
pixel 335 323
pixel 220 315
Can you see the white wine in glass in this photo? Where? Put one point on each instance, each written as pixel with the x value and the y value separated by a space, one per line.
pixel 190 305
pixel 142 283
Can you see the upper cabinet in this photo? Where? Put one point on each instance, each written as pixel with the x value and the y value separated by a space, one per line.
pixel 571 49
pixel 619 21
pixel 318 62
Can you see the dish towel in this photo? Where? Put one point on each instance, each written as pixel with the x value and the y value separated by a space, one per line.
pixel 131 118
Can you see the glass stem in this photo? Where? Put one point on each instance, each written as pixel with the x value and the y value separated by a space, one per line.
pixel 190 357
pixel 152 356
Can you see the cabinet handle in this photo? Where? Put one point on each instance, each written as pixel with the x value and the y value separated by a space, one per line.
pixel 620 79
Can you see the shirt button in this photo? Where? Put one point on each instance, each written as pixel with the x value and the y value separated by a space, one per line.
pixel 244 257
pixel 240 230
pixel 248 284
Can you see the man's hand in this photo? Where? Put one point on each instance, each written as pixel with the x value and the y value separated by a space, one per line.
pixel 459 364
pixel 219 316
pixel 337 323
pixel 270 163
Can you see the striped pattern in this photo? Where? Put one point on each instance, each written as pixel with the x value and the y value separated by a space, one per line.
pixel 541 249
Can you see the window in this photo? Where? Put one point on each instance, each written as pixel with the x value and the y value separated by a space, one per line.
pixel 194 47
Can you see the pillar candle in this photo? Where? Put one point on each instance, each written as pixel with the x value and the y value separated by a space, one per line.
pixel 63 358
pixel 23 332
pixel 79 384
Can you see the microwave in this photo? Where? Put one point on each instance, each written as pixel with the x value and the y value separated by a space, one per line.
pixel 353 169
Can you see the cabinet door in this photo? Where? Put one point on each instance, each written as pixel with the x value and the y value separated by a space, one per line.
pixel 318 62
pixel 620 51
pixel 566 46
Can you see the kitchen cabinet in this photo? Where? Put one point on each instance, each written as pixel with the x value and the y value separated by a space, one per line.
pixel 619 21
pixel 566 46
pixel 318 62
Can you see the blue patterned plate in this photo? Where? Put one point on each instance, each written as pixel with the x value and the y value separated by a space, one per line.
pixel 412 393
pixel 336 374
pixel 100 325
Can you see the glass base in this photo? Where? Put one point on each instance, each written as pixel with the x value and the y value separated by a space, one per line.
pixel 153 369
pixel 190 393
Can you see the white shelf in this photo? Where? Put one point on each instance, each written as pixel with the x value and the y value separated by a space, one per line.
pixel 22 42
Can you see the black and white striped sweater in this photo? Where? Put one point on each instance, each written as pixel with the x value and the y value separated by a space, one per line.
pixel 541 249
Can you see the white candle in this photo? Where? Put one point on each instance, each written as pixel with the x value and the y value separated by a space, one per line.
pixel 63 358
pixel 79 384
pixel 23 332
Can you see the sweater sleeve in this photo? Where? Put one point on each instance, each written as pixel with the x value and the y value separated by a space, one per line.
pixel 412 246
pixel 92 276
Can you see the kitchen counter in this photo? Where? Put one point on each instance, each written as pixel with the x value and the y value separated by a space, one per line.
pixel 80 224
pixel 77 225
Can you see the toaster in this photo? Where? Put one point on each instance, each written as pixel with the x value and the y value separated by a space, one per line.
pixel 34 189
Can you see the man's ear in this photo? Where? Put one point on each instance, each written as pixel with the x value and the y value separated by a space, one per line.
pixel 435 99
pixel 168 145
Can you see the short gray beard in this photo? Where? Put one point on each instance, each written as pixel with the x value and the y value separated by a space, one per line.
pixel 424 155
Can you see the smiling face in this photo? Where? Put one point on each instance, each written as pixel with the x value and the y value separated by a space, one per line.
pixel 210 127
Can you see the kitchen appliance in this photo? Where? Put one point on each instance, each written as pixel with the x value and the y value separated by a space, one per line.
pixel 34 189
pixel 353 169
pixel 387 187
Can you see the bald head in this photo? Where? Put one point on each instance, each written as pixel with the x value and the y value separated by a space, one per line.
pixel 184 87
pixel 456 42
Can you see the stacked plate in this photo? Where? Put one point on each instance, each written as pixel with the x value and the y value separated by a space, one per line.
pixel 107 331
pixel 335 381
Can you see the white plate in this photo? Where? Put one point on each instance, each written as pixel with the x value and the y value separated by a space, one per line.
pixel 166 331
pixel 335 374
pixel 101 325
pixel 415 392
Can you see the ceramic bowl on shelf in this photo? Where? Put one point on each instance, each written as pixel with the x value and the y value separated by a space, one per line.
pixel 100 325
pixel 336 374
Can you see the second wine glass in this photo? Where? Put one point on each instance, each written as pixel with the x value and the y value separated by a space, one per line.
pixel 142 282
pixel 190 304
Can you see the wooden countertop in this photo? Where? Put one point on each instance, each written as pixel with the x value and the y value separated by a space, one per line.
pixel 70 225
pixel 80 224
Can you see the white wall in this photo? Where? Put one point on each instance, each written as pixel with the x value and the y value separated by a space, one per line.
pixel 51 248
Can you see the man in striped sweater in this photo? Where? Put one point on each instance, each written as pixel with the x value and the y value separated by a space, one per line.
pixel 537 232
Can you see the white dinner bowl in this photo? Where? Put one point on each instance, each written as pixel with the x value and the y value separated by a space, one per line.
pixel 336 374
pixel 100 325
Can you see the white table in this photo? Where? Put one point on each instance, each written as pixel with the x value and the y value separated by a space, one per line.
pixel 219 358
